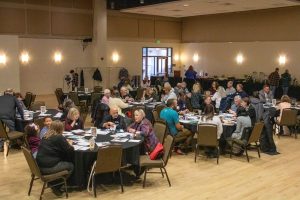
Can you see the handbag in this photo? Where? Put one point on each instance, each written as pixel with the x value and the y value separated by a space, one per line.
pixel 157 152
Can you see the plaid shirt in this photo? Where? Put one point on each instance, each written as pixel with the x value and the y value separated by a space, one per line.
pixel 274 79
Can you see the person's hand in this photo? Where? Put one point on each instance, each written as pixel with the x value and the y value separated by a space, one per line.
pixel 70 142
pixel 189 95
pixel 73 123
pixel 131 130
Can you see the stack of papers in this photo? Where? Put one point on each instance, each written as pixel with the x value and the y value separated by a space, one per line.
pixel 44 115
pixel 102 144
pixel 99 132
pixel 134 141
pixel 119 140
pixel 78 131
pixel 83 148
pixel 122 135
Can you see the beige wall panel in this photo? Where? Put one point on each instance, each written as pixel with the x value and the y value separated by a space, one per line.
pixel 38 2
pixel 262 25
pixel 62 3
pixel 146 28
pixel 122 27
pixel 167 29
pixel 12 20
pixel 83 4
pixel 13 1
pixel 38 22
pixel 72 24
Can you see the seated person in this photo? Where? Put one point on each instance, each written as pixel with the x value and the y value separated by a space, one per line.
pixel 31 130
pixel 243 121
pixel 230 90
pixel 217 97
pixel 177 130
pixel 73 121
pixel 143 126
pixel 124 95
pixel 183 103
pixel 168 93
pixel 285 103
pixel 67 105
pixel 106 96
pixel 214 87
pixel 207 101
pixel 240 92
pixel 250 109
pixel 47 123
pixel 178 89
pixel 149 93
pixel 185 90
pixel 237 103
pixel 209 117
pixel 55 154
pixel 196 96
pixel 128 85
pixel 146 82
pixel 113 120
pixel 265 95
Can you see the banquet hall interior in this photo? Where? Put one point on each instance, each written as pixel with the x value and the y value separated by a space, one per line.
pixel 149 99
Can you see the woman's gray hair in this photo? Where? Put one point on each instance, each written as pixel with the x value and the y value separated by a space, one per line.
pixel 140 112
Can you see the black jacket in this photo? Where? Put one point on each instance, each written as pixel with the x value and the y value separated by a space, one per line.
pixel 8 105
pixel 54 150
pixel 119 121
pixel 97 75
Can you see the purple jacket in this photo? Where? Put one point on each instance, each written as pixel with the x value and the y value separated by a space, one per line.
pixel 146 129
pixel 34 143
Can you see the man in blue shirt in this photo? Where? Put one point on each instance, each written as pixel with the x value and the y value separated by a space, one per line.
pixel 177 130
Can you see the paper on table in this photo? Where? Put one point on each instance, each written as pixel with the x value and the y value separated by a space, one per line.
pixel 123 134
pixel 78 131
pixel 58 115
pixel 134 140
pixel 102 144
pixel 119 140
pixel 44 115
pixel 77 147
pixel 67 133
pixel 99 132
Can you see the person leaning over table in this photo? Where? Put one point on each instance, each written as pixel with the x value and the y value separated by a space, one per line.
pixel 243 121
pixel 113 119
pixel 142 126
pixel 73 121
pixel 177 130
pixel 209 118
pixel 196 97
pixel 250 109
pixel 55 154
pixel 118 103
pixel 265 95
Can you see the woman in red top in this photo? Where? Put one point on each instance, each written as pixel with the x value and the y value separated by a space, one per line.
pixel 73 121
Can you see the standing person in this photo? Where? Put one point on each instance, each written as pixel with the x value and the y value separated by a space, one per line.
pixel 74 79
pixel 8 106
pixel 190 76
pixel 286 81
pixel 274 80
pixel 230 90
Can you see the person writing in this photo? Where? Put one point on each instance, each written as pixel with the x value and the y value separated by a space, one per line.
pixel 113 120
pixel 73 121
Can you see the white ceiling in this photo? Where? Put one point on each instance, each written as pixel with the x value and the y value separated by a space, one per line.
pixel 186 8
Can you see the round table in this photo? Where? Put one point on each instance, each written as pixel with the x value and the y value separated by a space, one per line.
pixel 84 159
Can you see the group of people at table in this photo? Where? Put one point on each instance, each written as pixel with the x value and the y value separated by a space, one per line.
pixel 53 152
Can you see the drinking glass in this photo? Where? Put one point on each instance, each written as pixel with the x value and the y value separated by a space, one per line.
pixel 274 102
pixel 43 109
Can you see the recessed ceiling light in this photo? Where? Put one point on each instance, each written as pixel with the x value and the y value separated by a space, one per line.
pixel 186 5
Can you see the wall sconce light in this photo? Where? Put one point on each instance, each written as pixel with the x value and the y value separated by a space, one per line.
pixel 57 57
pixel 239 59
pixel 282 59
pixel 176 57
pixel 3 59
pixel 115 57
pixel 24 58
pixel 195 57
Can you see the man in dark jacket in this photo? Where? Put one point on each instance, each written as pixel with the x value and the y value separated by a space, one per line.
pixel 286 81
pixel 8 105
pixel 113 119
